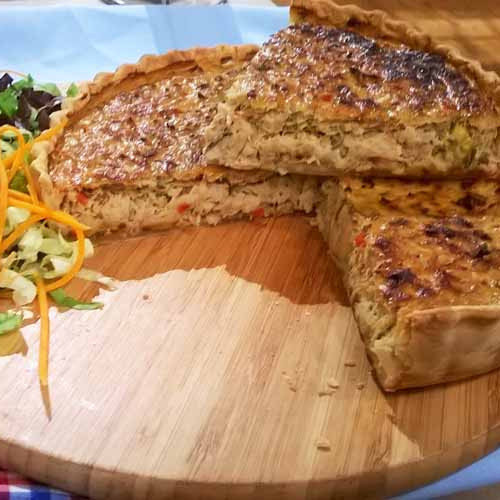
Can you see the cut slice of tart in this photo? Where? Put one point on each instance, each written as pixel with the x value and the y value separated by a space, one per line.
pixel 344 91
pixel 421 265
pixel 130 157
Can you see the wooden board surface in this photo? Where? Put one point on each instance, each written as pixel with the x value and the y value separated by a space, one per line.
pixel 206 374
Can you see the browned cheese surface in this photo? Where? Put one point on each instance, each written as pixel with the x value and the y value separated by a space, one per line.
pixel 142 135
pixel 343 75
pixel 425 244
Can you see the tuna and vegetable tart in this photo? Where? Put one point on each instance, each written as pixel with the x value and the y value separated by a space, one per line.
pixel 421 265
pixel 344 91
pixel 130 157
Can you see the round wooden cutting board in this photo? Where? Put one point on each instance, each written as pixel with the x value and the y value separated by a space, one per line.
pixel 226 365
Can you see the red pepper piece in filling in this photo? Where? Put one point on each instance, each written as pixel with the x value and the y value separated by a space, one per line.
pixel 82 198
pixel 360 240
pixel 258 212
pixel 182 207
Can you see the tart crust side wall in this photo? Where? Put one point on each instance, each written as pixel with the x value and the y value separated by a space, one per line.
pixel 415 349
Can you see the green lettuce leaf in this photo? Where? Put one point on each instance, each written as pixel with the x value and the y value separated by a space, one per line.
pixel 27 82
pixel 72 90
pixel 8 102
pixel 60 298
pixel 51 88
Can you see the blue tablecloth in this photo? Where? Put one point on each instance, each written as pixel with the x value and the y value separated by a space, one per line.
pixel 63 44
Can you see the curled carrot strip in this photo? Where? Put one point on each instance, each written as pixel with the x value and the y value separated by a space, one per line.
pixel 18 232
pixel 43 356
pixel 14 163
pixel 4 187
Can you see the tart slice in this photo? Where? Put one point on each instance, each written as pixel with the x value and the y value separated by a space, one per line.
pixel 130 157
pixel 421 265
pixel 345 91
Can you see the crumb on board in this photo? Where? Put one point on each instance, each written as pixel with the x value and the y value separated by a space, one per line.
pixel 323 444
pixel 146 296
pixel 349 363
pixel 360 386
pixel 291 382
pixel 331 382
pixel 325 392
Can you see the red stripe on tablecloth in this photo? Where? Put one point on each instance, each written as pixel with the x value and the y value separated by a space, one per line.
pixel 12 479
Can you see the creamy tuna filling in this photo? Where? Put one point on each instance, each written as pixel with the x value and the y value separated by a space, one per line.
pixel 184 203
pixel 296 143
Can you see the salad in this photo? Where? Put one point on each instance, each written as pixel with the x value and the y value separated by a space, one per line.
pixel 37 260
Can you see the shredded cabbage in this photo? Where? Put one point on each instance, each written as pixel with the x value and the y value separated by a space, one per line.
pixel 15 216
pixel 41 250
pixel 90 275
pixel 24 291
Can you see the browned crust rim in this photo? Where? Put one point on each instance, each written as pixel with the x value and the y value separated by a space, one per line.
pixel 204 58
pixel 380 24
pixel 173 60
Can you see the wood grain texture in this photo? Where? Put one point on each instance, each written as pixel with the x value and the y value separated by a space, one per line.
pixel 209 372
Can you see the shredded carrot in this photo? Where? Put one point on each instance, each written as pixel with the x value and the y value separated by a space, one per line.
pixel 14 163
pixel 48 134
pixel 20 196
pixel 16 159
pixel 31 184
pixel 17 163
pixel 56 215
pixel 18 232
pixel 4 188
pixel 43 356
pixel 10 159
pixel 76 266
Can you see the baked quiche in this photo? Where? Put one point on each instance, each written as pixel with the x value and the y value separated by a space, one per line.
pixel 345 91
pixel 130 157
pixel 421 265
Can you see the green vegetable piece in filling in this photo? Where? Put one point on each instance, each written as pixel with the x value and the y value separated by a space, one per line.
pixel 464 150
pixel 10 321
pixel 60 298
